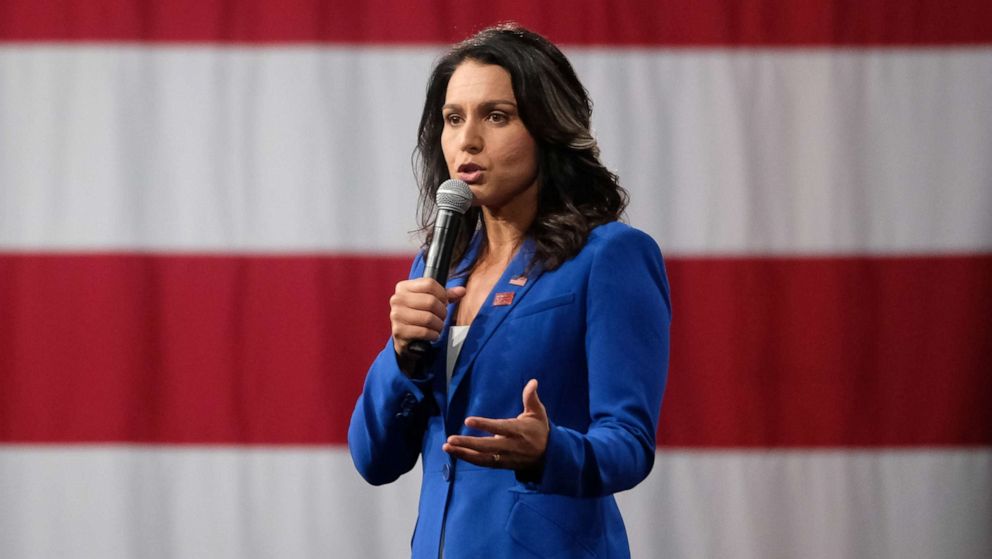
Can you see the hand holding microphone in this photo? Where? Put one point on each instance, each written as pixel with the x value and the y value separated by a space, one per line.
pixel 419 306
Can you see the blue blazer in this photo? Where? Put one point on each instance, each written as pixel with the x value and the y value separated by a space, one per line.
pixel 594 332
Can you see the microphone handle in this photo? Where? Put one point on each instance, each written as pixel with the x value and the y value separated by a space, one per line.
pixel 438 263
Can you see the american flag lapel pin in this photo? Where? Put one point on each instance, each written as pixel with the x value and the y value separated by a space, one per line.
pixel 503 299
pixel 518 280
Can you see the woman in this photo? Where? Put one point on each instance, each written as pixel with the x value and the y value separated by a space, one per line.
pixel 548 291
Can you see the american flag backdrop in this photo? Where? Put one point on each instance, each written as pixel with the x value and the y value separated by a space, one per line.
pixel 204 206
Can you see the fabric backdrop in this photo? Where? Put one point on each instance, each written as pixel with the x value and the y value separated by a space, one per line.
pixel 204 207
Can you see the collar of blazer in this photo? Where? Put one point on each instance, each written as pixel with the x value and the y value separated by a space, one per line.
pixel 490 316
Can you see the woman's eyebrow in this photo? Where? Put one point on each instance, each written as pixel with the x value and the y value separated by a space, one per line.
pixel 485 105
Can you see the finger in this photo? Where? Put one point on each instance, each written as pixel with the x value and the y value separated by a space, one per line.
pixel 422 285
pixel 408 334
pixel 484 459
pixel 504 427
pixel 455 293
pixel 403 319
pixel 532 403
pixel 480 444
pixel 419 301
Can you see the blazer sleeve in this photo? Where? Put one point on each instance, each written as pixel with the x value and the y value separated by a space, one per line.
pixel 389 419
pixel 627 332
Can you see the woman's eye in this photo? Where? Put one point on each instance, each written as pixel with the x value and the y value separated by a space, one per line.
pixel 453 119
pixel 498 118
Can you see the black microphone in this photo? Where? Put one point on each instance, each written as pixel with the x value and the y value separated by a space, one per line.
pixel 453 199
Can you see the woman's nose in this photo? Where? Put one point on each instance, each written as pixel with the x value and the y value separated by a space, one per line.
pixel 471 140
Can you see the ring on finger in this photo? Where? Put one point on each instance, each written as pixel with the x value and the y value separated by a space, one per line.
pixel 496 458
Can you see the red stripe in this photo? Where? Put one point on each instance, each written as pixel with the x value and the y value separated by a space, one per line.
pixel 273 350
pixel 187 349
pixel 582 22
pixel 830 352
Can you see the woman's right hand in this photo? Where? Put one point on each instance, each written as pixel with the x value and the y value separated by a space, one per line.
pixel 416 312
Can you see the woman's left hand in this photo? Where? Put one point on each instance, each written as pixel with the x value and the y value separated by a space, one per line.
pixel 516 444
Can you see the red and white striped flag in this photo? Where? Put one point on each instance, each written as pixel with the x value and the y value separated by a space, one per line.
pixel 204 206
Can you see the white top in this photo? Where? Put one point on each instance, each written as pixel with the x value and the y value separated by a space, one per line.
pixel 456 337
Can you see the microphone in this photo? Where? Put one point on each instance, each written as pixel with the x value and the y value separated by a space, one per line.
pixel 453 199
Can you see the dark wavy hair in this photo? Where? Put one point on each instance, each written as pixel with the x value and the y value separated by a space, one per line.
pixel 576 192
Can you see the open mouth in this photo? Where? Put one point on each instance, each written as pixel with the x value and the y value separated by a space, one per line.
pixel 470 172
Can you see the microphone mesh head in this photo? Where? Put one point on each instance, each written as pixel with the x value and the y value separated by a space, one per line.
pixel 454 195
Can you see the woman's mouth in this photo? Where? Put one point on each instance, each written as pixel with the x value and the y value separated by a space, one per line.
pixel 470 172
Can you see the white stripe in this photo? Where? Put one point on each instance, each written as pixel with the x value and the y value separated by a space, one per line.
pixel 105 502
pixel 814 505
pixel 308 148
pixel 791 151
pixel 153 502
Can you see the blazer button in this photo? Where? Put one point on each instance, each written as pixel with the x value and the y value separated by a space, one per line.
pixel 447 472
pixel 407 405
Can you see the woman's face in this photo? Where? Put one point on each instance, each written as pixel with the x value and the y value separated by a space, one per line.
pixel 484 141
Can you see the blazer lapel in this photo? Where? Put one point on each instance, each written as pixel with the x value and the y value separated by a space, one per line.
pixel 505 296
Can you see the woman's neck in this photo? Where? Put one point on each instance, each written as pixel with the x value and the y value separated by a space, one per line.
pixel 501 242
pixel 506 228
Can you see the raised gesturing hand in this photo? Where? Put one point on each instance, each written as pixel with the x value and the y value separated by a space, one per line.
pixel 515 444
